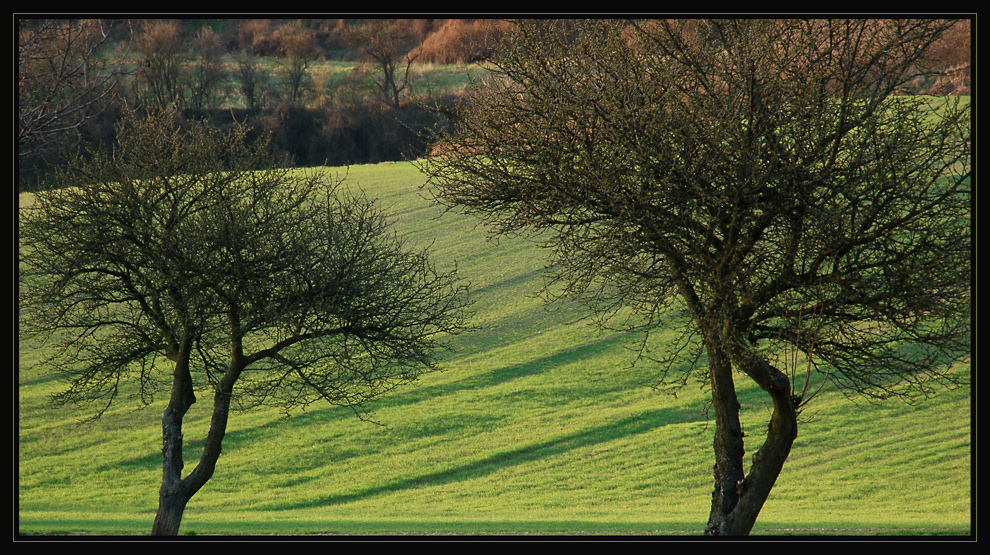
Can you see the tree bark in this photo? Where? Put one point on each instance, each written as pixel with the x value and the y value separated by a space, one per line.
pixel 171 505
pixel 738 498
pixel 173 496
pixel 728 444
pixel 175 491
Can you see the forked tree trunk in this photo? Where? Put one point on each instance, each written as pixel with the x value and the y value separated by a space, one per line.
pixel 175 491
pixel 171 505
pixel 738 498
pixel 172 496
pixel 728 444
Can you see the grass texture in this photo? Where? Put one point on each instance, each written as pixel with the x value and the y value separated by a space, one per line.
pixel 539 425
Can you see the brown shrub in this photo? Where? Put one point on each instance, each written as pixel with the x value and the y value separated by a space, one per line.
pixel 257 37
pixel 953 49
pixel 459 41
pixel 952 57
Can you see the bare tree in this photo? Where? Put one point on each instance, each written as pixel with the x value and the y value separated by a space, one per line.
pixel 189 255
pixel 758 183
pixel 209 75
pixel 66 75
pixel 297 47
pixel 388 45
pixel 252 81
pixel 162 79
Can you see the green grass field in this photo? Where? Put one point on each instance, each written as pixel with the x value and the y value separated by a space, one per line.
pixel 538 425
pixel 328 77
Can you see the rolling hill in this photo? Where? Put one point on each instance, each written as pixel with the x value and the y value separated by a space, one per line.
pixel 539 424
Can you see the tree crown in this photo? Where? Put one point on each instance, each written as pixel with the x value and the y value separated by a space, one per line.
pixel 764 176
pixel 194 243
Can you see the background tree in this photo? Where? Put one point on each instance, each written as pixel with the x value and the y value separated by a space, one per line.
pixel 162 79
pixel 251 81
pixel 297 47
pixel 251 281
pixel 757 183
pixel 67 74
pixel 388 45
pixel 209 76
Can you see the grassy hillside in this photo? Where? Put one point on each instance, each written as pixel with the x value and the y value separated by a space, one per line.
pixel 537 425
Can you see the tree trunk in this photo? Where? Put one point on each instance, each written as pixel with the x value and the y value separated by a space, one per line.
pixel 173 495
pixel 728 443
pixel 738 498
pixel 175 491
pixel 171 505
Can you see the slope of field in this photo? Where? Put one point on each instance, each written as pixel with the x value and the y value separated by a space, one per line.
pixel 539 424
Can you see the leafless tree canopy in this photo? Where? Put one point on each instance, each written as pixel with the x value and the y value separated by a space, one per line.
pixel 186 260
pixel 65 75
pixel 766 162
pixel 764 178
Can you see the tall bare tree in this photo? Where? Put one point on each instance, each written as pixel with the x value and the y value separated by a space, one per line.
pixel 759 184
pixel 252 81
pixel 163 79
pixel 208 88
pixel 188 255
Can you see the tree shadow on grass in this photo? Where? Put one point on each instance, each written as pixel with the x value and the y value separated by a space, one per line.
pixel 262 433
pixel 633 425
pixel 583 352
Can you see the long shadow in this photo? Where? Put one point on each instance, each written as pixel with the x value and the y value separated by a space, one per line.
pixel 255 434
pixel 236 436
pixel 568 355
pixel 633 425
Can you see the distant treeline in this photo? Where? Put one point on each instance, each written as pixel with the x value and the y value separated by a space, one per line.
pixel 271 74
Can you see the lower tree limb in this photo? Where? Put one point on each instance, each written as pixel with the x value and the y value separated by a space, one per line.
pixel 769 460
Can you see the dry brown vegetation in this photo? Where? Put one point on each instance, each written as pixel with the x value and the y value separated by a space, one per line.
pixel 266 71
